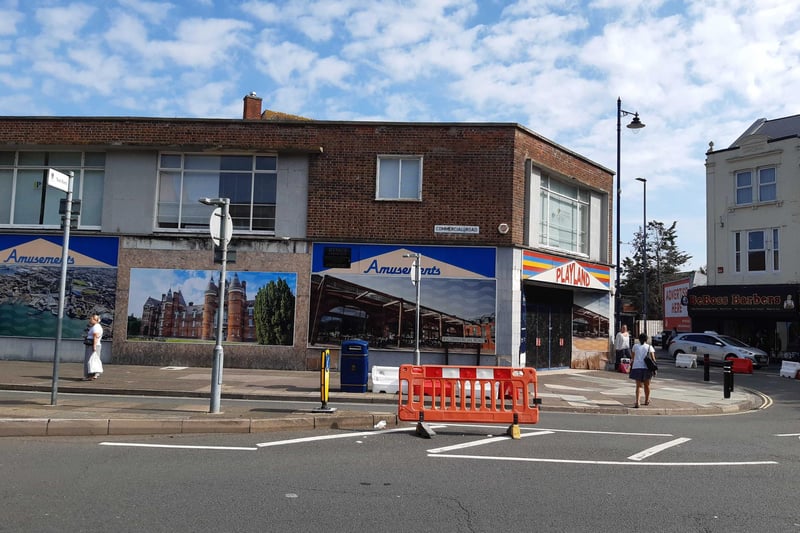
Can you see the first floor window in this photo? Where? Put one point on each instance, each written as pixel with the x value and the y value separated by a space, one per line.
pixel 766 185
pixel 27 200
pixel 744 188
pixel 399 178
pixel 762 252
pixel 762 189
pixel 565 216
pixel 248 181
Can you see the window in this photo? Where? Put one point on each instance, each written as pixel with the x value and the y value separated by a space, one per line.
pixel 27 200
pixel 775 256
pixel 565 216
pixel 744 188
pixel 766 185
pixel 765 191
pixel 399 178
pixel 249 181
pixel 756 251
pixel 737 246
pixel 762 252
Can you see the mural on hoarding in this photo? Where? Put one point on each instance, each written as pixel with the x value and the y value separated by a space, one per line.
pixel 30 285
pixel 182 305
pixel 366 292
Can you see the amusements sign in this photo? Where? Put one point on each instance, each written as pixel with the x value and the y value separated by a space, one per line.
pixel 30 275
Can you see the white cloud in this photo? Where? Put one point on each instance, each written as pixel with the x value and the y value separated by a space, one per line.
pixel 65 23
pixel 152 11
pixel 9 19
pixel 203 43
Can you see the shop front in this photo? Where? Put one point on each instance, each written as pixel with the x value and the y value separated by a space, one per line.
pixel 566 305
pixel 764 316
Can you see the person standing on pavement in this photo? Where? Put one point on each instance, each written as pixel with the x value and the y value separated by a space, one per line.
pixel 671 337
pixel 639 370
pixel 622 345
pixel 92 346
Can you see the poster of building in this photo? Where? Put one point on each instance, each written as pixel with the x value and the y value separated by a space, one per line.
pixel 30 285
pixel 182 305
pixel 366 292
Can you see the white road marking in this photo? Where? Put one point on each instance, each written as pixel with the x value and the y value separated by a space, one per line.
pixel 177 446
pixel 485 441
pixel 588 432
pixel 330 437
pixel 655 449
pixel 788 435
pixel 612 463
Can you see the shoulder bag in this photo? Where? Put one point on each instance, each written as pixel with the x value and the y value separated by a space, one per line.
pixel 651 365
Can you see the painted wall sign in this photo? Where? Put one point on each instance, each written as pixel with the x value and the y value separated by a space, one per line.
pixel 37 250
pixel 562 271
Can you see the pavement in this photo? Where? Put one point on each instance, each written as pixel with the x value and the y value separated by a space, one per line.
pixel 147 400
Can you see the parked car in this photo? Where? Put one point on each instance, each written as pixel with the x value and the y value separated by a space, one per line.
pixel 659 339
pixel 718 347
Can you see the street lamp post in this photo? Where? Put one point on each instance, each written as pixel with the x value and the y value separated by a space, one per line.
pixel 221 231
pixel 416 277
pixel 644 252
pixel 635 124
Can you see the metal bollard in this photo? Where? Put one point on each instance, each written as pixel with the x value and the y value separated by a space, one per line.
pixel 706 368
pixel 324 382
pixel 727 382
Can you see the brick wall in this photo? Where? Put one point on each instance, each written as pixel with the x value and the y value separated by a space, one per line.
pixel 473 174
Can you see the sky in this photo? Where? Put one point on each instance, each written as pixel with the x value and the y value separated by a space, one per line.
pixel 696 71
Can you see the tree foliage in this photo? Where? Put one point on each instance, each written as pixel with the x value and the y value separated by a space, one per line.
pixel 663 262
pixel 274 314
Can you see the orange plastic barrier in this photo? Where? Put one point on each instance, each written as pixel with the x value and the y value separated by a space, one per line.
pixel 741 366
pixel 480 394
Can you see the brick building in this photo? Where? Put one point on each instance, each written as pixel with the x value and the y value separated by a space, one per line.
pixel 512 233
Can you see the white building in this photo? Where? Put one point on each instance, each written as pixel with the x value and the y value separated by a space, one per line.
pixel 753 230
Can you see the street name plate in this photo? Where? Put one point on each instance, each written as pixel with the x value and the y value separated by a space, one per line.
pixel 57 179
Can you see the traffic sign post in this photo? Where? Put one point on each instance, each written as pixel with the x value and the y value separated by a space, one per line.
pixel 416 278
pixel 221 227
pixel 62 182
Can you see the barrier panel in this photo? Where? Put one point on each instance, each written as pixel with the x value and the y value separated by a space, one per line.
pixel 686 360
pixel 384 379
pixel 742 366
pixel 433 393
pixel 789 369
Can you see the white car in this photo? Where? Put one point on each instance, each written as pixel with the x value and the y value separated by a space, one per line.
pixel 719 348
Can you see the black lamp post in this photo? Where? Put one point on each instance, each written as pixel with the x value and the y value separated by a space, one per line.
pixel 635 124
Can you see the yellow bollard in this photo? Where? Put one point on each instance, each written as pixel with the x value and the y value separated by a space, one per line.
pixel 324 382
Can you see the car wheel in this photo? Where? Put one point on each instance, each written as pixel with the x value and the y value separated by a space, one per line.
pixel 677 353
pixel 730 357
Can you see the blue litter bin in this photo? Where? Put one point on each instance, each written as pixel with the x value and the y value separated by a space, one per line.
pixel 354 366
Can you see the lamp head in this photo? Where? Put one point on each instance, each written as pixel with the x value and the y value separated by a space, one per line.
pixel 217 202
pixel 636 124
pixel 643 180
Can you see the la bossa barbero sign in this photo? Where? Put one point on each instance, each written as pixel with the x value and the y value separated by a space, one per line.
pixel 775 300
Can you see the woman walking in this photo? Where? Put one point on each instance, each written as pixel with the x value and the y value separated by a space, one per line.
pixel 92 367
pixel 639 370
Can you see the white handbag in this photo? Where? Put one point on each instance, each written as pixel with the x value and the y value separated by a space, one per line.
pixel 95 364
